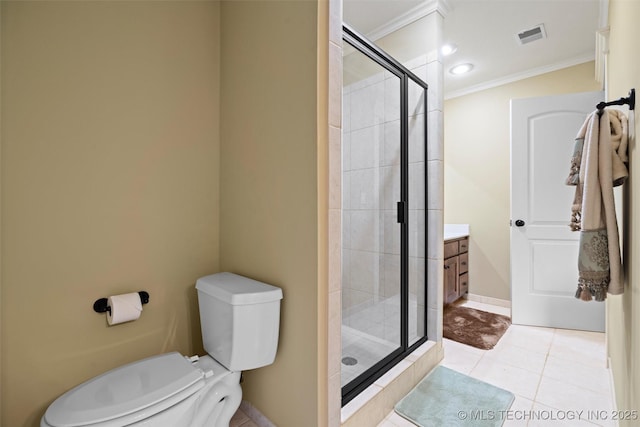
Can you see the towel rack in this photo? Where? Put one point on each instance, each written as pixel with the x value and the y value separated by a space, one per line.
pixel 629 100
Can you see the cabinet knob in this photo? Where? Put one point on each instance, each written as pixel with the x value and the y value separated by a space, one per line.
pixel 446 267
pixel 519 223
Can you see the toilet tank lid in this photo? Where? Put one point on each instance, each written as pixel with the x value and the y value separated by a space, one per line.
pixel 237 290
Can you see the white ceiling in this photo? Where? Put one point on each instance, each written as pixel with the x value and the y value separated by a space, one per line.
pixel 485 32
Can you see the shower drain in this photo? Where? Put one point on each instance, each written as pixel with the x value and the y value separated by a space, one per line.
pixel 349 361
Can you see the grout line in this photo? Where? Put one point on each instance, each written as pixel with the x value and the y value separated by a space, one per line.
pixel 546 359
pixel 478 362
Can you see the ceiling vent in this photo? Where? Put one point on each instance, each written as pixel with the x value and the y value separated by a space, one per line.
pixel 531 35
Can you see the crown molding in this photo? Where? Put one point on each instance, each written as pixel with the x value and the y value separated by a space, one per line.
pixel 442 7
pixel 520 76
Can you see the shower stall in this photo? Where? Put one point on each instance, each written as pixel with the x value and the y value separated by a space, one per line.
pixel 384 229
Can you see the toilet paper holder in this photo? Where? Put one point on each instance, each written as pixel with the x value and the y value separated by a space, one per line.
pixel 101 305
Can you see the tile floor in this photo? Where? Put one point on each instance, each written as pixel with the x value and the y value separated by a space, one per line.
pixel 240 419
pixel 559 377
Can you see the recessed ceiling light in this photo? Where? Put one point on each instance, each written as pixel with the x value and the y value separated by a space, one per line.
pixel 448 49
pixel 461 69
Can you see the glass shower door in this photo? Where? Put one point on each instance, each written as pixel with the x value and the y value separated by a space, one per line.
pixel 371 287
pixel 383 208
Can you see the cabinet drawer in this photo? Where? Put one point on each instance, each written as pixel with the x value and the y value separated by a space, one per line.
pixel 463 245
pixel 464 284
pixel 464 263
pixel 450 249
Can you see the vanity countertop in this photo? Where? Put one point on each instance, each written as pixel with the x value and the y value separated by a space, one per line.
pixel 455 231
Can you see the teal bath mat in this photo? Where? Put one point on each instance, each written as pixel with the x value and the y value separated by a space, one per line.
pixel 449 398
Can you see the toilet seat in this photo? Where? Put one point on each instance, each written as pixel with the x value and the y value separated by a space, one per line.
pixel 128 393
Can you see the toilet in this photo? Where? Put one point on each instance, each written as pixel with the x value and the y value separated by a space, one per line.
pixel 240 320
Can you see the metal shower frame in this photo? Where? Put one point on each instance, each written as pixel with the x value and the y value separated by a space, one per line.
pixel 368 48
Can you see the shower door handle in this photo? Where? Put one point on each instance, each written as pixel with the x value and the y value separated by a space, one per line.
pixel 402 212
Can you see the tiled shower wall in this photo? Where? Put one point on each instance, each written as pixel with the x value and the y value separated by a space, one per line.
pixel 370 190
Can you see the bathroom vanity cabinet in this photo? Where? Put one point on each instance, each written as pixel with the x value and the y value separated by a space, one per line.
pixel 456 268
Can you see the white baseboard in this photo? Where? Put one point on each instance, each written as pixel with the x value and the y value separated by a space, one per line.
pixel 255 415
pixel 489 300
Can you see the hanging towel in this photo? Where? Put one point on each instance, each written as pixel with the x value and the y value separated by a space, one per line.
pixel 598 164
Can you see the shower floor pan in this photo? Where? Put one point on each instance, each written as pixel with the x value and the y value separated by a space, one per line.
pixel 360 351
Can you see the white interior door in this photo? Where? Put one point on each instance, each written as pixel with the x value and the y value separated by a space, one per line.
pixel 544 251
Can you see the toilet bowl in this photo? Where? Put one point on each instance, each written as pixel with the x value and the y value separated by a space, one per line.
pixel 240 328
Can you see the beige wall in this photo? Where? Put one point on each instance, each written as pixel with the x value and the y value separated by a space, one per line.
pixel 110 167
pixel 623 312
pixel 476 153
pixel 269 189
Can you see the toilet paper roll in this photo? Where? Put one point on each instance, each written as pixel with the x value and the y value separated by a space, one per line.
pixel 124 308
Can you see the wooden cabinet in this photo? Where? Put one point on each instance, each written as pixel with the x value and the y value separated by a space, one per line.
pixel 451 279
pixel 456 269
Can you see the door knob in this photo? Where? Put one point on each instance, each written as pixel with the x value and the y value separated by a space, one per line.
pixel 519 223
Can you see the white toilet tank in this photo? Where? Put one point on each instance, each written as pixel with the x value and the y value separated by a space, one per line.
pixel 240 320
